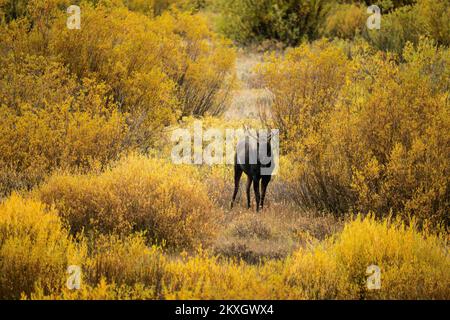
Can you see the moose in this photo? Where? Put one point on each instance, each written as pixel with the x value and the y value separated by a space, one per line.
pixel 254 158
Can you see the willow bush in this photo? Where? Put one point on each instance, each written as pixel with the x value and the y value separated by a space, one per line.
pixel 79 98
pixel 288 21
pixel 35 248
pixel 363 130
pixel 168 202
pixel 413 265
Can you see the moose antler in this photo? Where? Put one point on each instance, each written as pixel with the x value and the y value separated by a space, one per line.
pixel 249 133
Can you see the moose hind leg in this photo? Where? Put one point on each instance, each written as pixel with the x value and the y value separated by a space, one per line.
pixel 257 195
pixel 237 178
pixel 264 183
pixel 249 184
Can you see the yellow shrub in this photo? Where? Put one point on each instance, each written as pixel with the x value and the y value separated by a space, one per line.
pixel 125 50
pixel 345 21
pixel 78 98
pixel 413 265
pixel 116 268
pixel 140 194
pixel 100 291
pixel 35 248
pixel 125 261
pixel 49 122
pixel 305 83
pixel 363 130
pixel 202 67
pixel 157 7
pixel 400 132
pixel 204 277
pixel 157 68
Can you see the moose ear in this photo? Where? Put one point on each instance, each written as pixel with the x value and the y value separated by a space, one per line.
pixel 271 135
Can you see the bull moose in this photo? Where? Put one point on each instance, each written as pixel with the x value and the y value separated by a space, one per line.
pixel 254 158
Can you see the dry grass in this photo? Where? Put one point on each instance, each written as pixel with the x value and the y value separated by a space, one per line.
pixel 251 98
pixel 245 64
pixel 274 233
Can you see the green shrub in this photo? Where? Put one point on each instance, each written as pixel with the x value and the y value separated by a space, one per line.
pixel 428 18
pixel 288 21
pixel 344 21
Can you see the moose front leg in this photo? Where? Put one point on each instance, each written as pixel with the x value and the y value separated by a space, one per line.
pixel 256 189
pixel 237 179
pixel 264 182
pixel 249 185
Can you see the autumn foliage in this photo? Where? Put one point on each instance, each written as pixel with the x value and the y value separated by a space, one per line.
pixel 136 195
pixel 114 84
pixel 366 132
pixel 35 249
pixel 86 179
